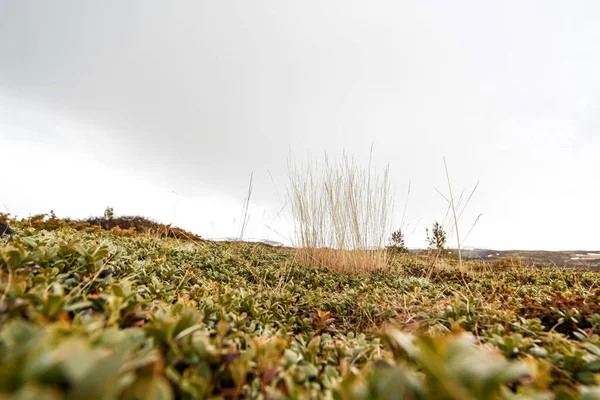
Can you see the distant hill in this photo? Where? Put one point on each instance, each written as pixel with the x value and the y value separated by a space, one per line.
pixel 563 259
pixel 544 258
pixel 252 240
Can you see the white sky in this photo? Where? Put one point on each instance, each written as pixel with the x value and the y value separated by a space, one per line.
pixel 122 103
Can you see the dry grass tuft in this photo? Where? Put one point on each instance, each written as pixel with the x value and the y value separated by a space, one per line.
pixel 343 260
pixel 342 214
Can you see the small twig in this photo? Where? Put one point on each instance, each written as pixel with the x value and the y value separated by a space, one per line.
pixel 80 290
pixel 183 279
pixel 245 208
pixel 468 199
pixel 455 217
pixel 440 193
pixel 405 206
pixel 472 226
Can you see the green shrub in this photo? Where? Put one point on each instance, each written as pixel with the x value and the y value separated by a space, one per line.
pixel 436 240
pixel 397 244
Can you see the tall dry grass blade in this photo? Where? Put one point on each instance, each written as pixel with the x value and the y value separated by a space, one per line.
pixel 405 206
pixel 468 200
pixel 472 226
pixel 245 208
pixel 455 217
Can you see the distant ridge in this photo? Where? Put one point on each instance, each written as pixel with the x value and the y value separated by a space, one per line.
pixel 578 258
pixel 251 240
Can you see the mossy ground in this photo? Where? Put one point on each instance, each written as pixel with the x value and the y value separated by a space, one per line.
pixel 97 315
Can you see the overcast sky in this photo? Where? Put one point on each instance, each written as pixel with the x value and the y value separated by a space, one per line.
pixel 124 103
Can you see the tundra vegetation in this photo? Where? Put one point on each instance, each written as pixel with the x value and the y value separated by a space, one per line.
pixel 94 314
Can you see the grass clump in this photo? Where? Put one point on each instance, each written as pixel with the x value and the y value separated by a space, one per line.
pixel 342 214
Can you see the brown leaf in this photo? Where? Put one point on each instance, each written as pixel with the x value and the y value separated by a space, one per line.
pixel 230 357
pixel 269 374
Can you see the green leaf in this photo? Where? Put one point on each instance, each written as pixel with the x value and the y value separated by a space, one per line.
pixel 594 366
pixel 53 305
pixel 592 349
pixel 118 290
pixel 586 377
pixel 188 331
pixel 590 393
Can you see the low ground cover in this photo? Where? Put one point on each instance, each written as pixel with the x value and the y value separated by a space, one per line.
pixel 91 314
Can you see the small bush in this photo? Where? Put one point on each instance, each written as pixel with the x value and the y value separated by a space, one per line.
pixel 109 213
pixel 436 240
pixel 397 244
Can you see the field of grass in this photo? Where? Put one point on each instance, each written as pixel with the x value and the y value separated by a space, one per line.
pixel 97 315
